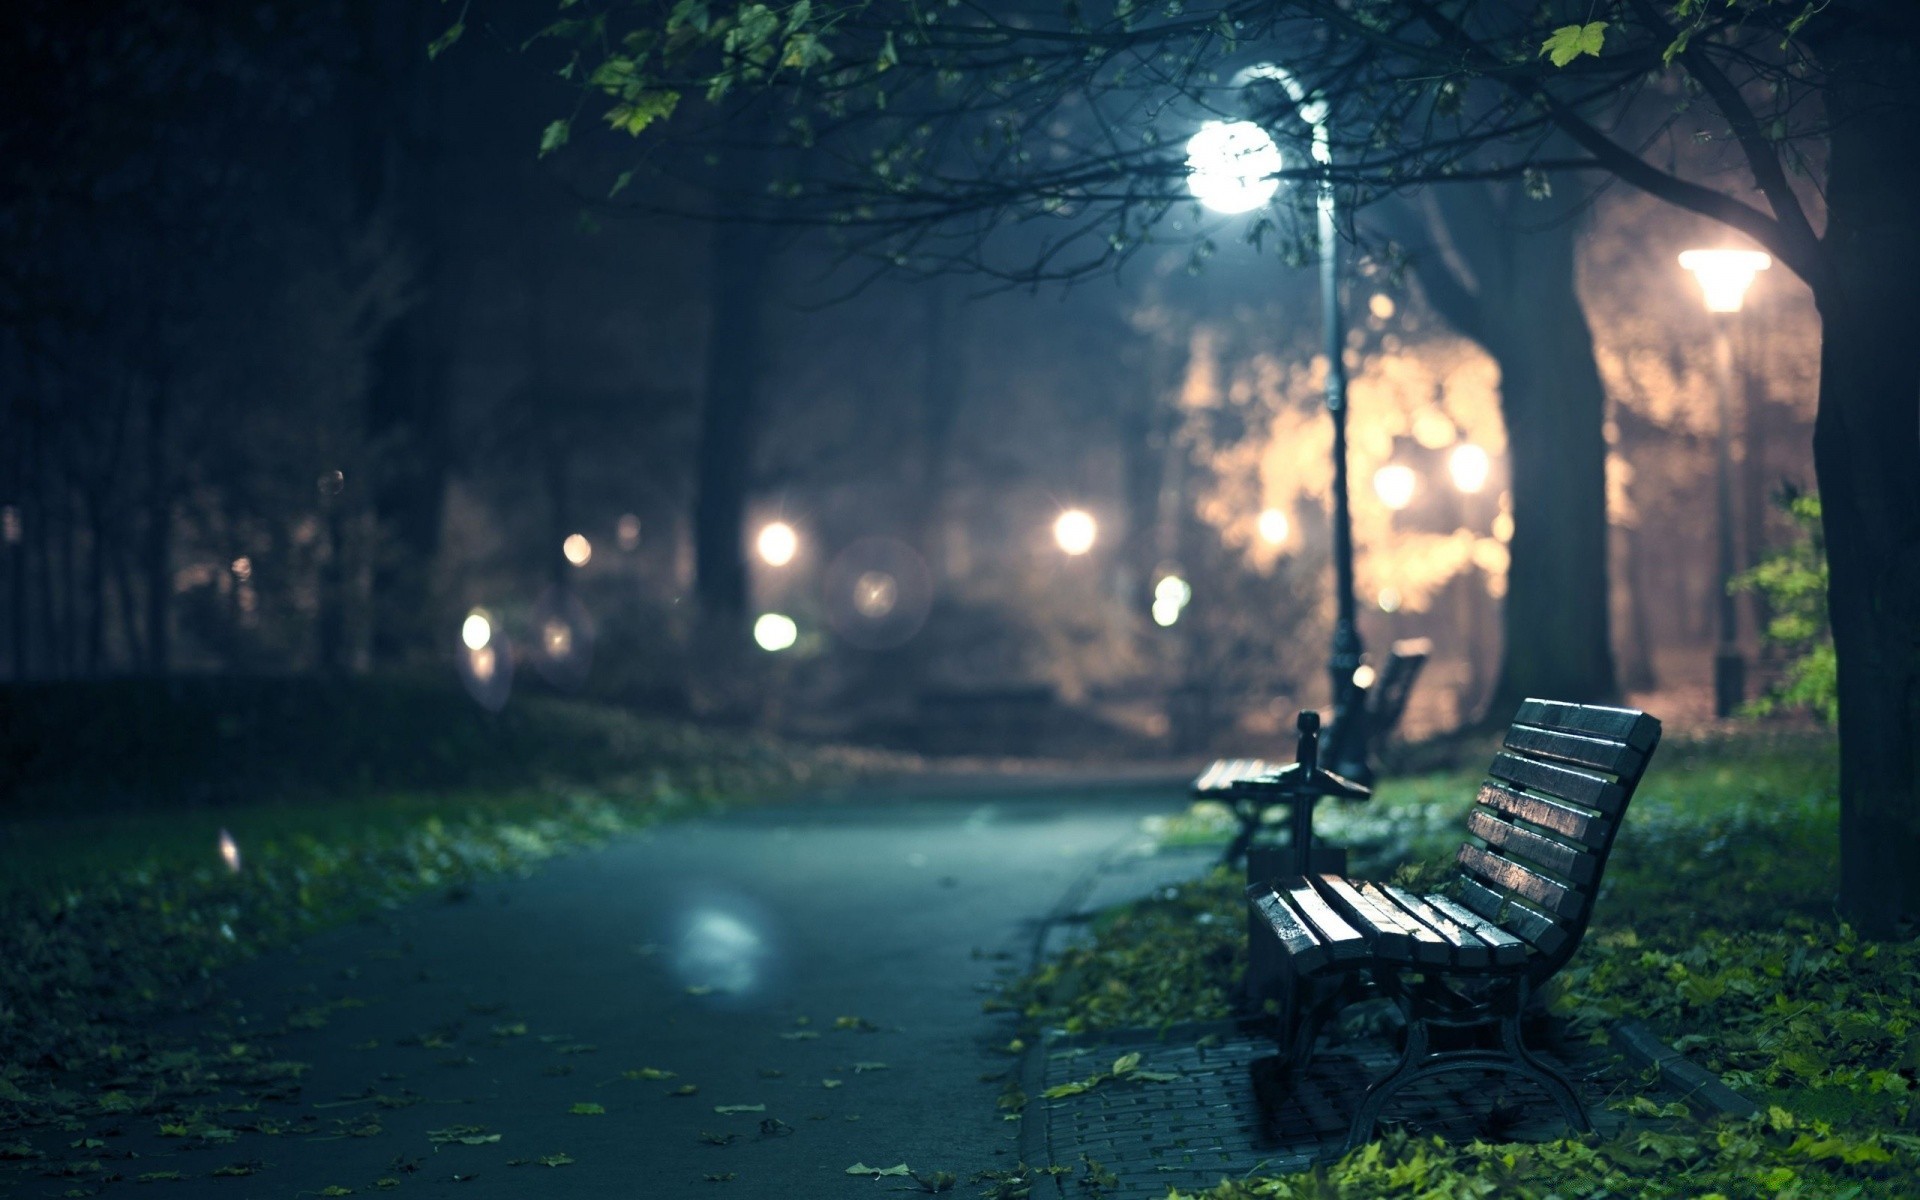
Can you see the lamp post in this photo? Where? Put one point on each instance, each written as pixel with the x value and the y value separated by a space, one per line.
pixel 1724 276
pixel 1231 168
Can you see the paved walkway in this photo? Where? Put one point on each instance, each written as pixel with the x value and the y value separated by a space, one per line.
pixel 741 1006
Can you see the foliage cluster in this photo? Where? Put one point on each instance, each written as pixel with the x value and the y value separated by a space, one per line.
pixel 1793 581
pixel 1715 927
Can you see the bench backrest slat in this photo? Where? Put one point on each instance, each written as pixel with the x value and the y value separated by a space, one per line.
pixel 1546 819
pixel 1570 823
pixel 1574 750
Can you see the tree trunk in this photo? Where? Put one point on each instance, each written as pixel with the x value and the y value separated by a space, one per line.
pixel 1866 447
pixel 740 257
pixel 1520 303
pixel 159 540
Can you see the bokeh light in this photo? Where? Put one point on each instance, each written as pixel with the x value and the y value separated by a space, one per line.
pixel 229 852
pixel 1170 598
pixel 1395 484
pixel 878 592
pixel 1074 531
pixel 774 632
pixel 1469 465
pixel 578 549
pixel 1274 526
pixel 627 531
pixel 1390 599
pixel 875 593
pixel 1363 676
pixel 777 543
pixel 477 630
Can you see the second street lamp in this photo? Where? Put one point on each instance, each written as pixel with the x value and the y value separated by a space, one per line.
pixel 1724 277
pixel 1232 168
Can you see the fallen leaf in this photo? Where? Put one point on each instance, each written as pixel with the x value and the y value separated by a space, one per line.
pixel 878 1172
pixel 685 1089
pixel 726 1109
pixel 336 1190
pixel 831 1083
pixel 800 1035
pixel 861 1068
pixel 462 1135
pixel 584 1109
pixel 160 1177
pixel 555 1160
pixel 648 1073
pixel 718 1139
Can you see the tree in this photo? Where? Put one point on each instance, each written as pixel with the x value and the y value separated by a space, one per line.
pixel 929 128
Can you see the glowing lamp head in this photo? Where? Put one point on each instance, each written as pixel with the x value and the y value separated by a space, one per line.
pixel 774 632
pixel 1074 531
pixel 1469 466
pixel 476 631
pixel 1395 484
pixel 1232 166
pixel 777 543
pixel 1724 275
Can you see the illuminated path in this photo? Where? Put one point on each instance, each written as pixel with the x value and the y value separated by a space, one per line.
pixel 725 951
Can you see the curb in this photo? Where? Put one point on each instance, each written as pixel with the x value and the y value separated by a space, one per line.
pixel 1703 1091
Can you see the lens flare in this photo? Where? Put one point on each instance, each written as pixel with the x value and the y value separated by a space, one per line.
pixel 1232 166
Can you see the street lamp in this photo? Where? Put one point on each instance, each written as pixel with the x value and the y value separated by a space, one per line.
pixel 1232 168
pixel 1724 277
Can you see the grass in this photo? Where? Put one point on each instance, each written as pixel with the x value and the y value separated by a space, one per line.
pixel 1716 926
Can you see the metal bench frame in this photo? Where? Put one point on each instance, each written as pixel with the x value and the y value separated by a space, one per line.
pixel 1462 968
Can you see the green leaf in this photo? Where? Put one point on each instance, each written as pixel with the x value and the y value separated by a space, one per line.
pixel 634 116
pixel 585 1109
pixel 1571 41
pixel 879 1172
pixel 727 1109
pixel 445 41
pixel 554 136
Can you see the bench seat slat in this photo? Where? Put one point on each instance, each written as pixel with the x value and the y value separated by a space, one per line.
pixel 1426 945
pixel 1385 935
pixel 1536 929
pixel 1595 753
pixel 1343 942
pixel 1625 725
pixel 1508 950
pixel 1463 948
pixel 1302 943
pixel 1564 782
pixel 1556 898
pixel 1568 822
pixel 1510 839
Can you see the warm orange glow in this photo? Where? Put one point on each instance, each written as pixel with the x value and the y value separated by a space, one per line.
pixel 243 568
pixel 1380 305
pixel 483 661
pixel 1075 531
pixel 628 531
pixel 1395 484
pixel 1725 275
pixel 1274 527
pixel 1469 465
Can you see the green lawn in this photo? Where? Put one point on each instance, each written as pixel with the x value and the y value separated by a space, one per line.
pixel 1716 926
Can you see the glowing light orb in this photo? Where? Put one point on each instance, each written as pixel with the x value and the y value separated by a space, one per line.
pixel 243 568
pixel 1503 527
pixel 1363 676
pixel 1725 275
pixel 875 593
pixel 1380 305
pixel 476 631
pixel 777 543
pixel 628 531
pixel 229 852
pixel 1232 166
pixel 774 632
pixel 1389 600
pixel 1274 526
pixel 1469 465
pixel 1395 484
pixel 1074 531
pixel 578 549
pixel 556 637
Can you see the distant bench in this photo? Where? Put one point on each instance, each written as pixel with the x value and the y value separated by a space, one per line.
pixel 1544 821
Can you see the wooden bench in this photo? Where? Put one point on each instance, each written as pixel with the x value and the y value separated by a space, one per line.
pixel 1252 787
pixel 1461 967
